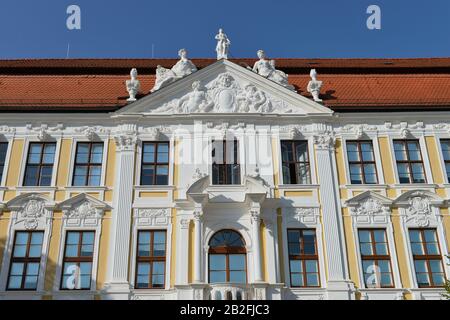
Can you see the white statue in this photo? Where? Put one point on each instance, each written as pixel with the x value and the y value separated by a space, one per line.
pixel 314 86
pixel 253 100
pixel 195 101
pixel 223 45
pixel 266 68
pixel 133 85
pixel 182 68
pixel 223 91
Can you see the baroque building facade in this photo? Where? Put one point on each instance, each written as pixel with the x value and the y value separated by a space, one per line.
pixel 226 181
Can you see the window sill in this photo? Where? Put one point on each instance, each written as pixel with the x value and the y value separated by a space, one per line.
pixel 298 186
pixel 154 187
pixel 415 185
pixel 364 186
pixel 36 188
pixel 86 188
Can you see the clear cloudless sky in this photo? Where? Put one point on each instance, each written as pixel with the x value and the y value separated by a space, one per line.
pixel 283 28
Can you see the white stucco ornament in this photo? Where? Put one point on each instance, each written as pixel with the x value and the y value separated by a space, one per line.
pixel 133 85
pixel 182 68
pixel 419 209
pixel 223 45
pixel 314 86
pixel 224 94
pixel 266 68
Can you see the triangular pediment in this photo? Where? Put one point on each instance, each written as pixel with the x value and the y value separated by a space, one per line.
pixel 224 88
pixel 360 198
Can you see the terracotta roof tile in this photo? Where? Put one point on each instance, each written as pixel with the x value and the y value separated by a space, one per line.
pixel 99 84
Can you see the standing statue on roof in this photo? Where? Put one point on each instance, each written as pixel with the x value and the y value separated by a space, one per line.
pixel 266 68
pixel 314 86
pixel 223 45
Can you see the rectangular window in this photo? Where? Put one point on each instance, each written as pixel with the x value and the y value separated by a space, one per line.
pixel 88 164
pixel 3 149
pixel 150 260
pixel 361 162
pixel 25 260
pixel 39 168
pixel 409 161
pixel 376 260
pixel 303 258
pixel 77 262
pixel 445 144
pixel 294 155
pixel 225 162
pixel 427 258
pixel 155 163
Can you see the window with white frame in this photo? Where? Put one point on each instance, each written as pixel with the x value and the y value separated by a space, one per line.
pixel 150 259
pixel 361 162
pixel 3 150
pixel 409 161
pixel 88 164
pixel 427 258
pixel 78 260
pixel 295 160
pixel 226 169
pixel 375 257
pixel 39 165
pixel 445 145
pixel 25 260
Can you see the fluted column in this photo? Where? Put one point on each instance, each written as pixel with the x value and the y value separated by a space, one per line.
pixel 119 249
pixel 338 284
pixel 255 213
pixel 198 256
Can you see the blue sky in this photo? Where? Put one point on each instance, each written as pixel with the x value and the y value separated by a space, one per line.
pixel 283 28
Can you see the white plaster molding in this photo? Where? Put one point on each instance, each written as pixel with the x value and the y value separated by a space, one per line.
pixel 44 131
pixel 92 132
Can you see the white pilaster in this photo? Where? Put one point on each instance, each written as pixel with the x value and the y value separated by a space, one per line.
pixel 118 286
pixel 198 226
pixel 339 286
pixel 255 212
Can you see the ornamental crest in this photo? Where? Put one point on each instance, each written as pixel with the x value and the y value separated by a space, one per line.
pixel 419 209
pixel 32 211
pixel 370 207
pixel 83 211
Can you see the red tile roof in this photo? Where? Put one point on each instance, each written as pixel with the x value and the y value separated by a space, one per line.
pixel 349 84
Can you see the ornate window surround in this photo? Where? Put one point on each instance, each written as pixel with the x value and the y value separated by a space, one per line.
pixel 7 136
pixel 295 134
pixel 422 213
pixel 303 218
pixel 104 138
pixel 240 136
pixel 361 134
pixel 410 134
pixel 26 148
pixel 370 210
pixel 159 137
pixel 151 219
pixel 26 216
pixel 243 228
pixel 80 213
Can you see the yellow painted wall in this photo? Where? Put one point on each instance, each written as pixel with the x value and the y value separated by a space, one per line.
pixel 402 255
pixel 110 164
pixel 173 247
pixel 62 177
pixel 351 249
pixel 12 178
pixel 264 251
pixel 191 252
pixel 103 250
pixel 386 161
pixel 53 251
pixel 4 224
pixel 280 244
pixel 435 162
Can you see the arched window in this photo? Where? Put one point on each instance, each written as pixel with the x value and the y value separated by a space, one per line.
pixel 227 258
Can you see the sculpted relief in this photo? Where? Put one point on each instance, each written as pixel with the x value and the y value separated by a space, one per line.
pixel 224 95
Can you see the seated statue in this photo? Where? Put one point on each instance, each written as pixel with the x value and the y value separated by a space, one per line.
pixel 267 69
pixel 182 68
pixel 195 101
pixel 253 100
